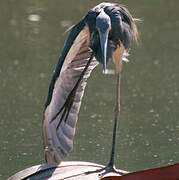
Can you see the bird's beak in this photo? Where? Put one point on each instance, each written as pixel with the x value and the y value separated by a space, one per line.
pixel 103 43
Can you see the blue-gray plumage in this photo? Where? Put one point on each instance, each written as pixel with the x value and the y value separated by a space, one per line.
pixel 104 33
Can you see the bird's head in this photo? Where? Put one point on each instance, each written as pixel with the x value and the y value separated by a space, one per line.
pixel 111 30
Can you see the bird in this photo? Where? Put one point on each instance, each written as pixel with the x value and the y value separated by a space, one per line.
pixel 104 34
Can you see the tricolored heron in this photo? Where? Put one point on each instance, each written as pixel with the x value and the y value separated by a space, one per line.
pixel 105 33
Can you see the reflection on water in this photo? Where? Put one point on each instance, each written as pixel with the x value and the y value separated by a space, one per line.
pixel 34 17
pixel 32 34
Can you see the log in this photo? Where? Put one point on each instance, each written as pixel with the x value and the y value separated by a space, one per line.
pixel 69 170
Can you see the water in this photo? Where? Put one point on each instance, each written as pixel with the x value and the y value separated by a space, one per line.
pixel 32 35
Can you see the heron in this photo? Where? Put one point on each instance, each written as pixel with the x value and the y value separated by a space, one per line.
pixel 103 34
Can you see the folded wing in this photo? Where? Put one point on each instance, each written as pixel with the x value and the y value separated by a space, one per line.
pixel 58 133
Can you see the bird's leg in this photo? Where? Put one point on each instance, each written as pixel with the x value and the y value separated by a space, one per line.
pixel 69 101
pixel 111 167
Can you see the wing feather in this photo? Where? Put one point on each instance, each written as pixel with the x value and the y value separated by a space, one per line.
pixel 59 141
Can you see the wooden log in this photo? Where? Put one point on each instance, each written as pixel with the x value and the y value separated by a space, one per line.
pixel 69 170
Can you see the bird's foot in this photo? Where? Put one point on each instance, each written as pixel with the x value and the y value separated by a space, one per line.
pixel 104 171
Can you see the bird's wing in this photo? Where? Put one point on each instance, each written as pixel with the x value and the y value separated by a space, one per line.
pixel 58 138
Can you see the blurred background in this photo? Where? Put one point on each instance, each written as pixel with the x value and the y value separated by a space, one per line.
pixel 32 34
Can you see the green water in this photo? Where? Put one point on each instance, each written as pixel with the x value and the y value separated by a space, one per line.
pixel 149 122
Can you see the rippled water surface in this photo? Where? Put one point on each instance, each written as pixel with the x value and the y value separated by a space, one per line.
pixel 31 38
